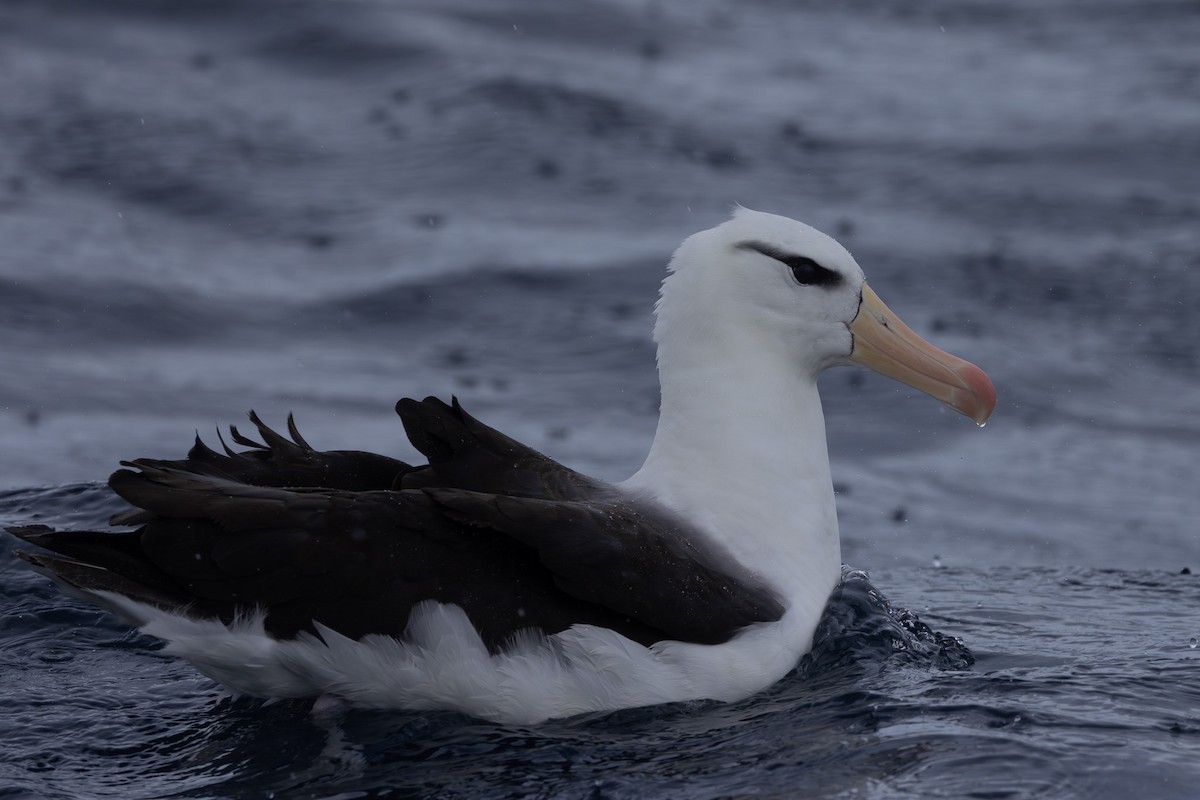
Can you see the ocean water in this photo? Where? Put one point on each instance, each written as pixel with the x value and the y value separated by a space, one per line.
pixel 319 208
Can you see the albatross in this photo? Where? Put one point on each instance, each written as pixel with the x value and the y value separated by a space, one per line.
pixel 493 580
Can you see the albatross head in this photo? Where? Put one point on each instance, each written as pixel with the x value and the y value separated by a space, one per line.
pixel 765 287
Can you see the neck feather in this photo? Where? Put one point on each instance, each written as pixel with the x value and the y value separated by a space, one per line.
pixel 740 451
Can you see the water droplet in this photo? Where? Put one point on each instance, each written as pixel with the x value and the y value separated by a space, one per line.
pixel 1192 643
pixel 982 424
pixel 937 562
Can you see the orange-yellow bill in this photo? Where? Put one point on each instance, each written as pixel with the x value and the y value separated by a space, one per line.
pixel 885 344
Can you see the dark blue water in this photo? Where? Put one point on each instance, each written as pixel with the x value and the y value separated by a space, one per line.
pixel 319 208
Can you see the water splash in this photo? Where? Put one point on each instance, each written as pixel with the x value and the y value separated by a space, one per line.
pixel 860 626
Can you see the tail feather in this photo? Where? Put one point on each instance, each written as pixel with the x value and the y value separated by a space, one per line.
pixel 116 552
pixel 98 562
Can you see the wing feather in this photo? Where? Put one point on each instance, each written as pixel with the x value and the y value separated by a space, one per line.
pixel 354 541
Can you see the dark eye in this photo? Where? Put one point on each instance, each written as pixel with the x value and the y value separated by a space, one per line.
pixel 806 271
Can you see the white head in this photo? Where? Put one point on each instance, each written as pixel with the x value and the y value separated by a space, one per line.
pixel 761 280
pixel 770 289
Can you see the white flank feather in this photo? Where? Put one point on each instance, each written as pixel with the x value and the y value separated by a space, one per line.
pixel 442 664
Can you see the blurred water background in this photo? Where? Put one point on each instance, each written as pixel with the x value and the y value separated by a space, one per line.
pixel 320 207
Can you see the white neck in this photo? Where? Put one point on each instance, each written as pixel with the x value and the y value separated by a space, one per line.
pixel 740 451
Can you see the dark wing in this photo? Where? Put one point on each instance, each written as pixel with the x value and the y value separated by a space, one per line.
pixel 464 453
pixel 621 553
pixel 629 556
pixel 356 562
pixel 495 527
pixel 282 462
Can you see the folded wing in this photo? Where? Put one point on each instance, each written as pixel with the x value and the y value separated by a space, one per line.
pixel 355 540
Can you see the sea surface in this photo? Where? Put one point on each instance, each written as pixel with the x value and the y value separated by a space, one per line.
pixel 320 207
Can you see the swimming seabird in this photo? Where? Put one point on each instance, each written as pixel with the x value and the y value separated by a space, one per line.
pixel 493 580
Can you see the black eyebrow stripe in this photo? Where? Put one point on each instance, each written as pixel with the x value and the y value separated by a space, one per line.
pixel 821 276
